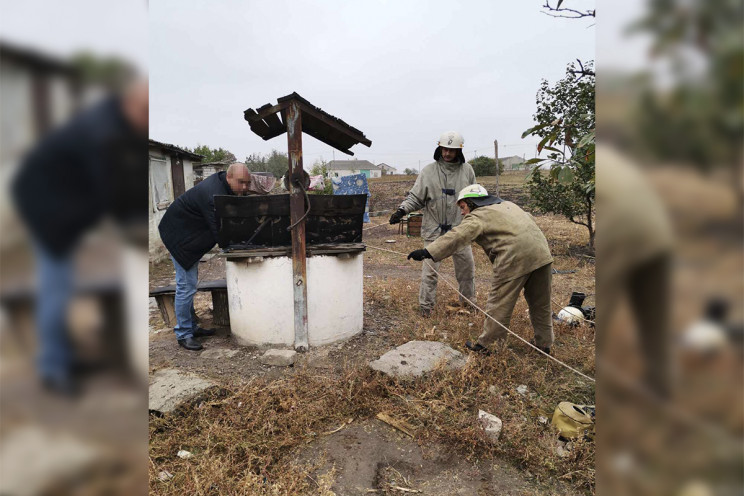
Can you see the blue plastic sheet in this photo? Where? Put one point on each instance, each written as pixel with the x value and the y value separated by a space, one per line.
pixel 356 184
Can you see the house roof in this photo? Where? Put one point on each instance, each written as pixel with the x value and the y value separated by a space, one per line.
pixel 176 149
pixel 265 122
pixel 386 166
pixel 351 165
pixel 512 158
pixel 33 58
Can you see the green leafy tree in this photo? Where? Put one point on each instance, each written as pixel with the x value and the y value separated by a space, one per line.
pixel 410 172
pixel 485 166
pixel 276 162
pixel 214 154
pixel 565 124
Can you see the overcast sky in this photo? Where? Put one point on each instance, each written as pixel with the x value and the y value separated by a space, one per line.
pixel 400 71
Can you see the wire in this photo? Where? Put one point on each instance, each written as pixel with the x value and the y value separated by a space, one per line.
pixel 306 211
pixel 487 315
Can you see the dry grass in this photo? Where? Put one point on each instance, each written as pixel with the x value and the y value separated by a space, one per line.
pixel 245 440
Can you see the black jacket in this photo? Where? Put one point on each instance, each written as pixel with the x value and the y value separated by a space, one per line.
pixel 94 165
pixel 189 227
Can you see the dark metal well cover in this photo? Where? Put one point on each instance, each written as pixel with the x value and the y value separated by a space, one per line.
pixel 332 219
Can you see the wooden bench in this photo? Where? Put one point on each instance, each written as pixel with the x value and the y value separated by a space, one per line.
pixel 166 299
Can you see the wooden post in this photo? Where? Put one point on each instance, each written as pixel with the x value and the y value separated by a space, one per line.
pixel 496 152
pixel 296 211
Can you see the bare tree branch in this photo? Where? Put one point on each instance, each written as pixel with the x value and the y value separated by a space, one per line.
pixel 563 12
pixel 583 71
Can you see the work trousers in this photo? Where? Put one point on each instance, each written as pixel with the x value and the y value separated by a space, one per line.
pixel 503 296
pixel 464 272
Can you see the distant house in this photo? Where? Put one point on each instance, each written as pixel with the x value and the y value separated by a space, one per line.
pixel 171 173
pixel 205 169
pixel 341 168
pixel 514 162
pixel 387 170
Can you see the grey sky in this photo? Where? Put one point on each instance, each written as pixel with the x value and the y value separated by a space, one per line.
pixel 113 27
pixel 400 71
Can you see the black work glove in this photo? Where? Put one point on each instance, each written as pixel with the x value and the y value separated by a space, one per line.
pixel 397 215
pixel 419 255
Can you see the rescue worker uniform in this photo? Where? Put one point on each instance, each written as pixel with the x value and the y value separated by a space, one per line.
pixel 521 259
pixel 435 192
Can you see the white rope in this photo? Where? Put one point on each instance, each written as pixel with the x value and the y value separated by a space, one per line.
pixel 487 315
pixel 372 227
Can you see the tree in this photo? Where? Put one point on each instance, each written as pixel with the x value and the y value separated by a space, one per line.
pixel 214 154
pixel 276 162
pixel 485 166
pixel 565 122
pixel 410 172
pixel 320 168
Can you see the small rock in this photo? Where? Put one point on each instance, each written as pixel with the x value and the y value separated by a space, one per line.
pixel 491 424
pixel 165 476
pixel 170 387
pixel 185 454
pixel 522 389
pixel 493 389
pixel 278 358
pixel 542 419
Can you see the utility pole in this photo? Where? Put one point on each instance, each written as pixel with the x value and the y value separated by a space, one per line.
pixel 496 152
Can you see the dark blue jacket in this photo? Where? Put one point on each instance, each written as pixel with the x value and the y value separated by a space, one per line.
pixel 94 165
pixel 189 227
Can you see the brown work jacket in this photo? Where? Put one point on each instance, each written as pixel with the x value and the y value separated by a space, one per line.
pixel 512 241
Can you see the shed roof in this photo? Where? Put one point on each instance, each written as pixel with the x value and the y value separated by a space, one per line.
pixel 174 148
pixel 265 122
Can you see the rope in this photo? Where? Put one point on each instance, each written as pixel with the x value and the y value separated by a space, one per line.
pixel 487 315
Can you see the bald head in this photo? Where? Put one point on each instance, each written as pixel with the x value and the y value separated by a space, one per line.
pixel 239 178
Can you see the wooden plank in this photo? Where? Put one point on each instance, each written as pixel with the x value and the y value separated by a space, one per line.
pixel 220 308
pixel 336 124
pixel 276 126
pixel 297 211
pixel 402 426
pixel 258 126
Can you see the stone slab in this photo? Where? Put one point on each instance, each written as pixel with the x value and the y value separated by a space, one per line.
pixel 33 460
pixel 170 387
pixel 416 358
pixel 278 358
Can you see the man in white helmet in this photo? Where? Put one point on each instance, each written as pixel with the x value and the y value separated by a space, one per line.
pixel 435 192
pixel 520 256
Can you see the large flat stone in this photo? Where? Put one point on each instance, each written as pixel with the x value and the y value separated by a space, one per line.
pixel 33 461
pixel 416 358
pixel 170 387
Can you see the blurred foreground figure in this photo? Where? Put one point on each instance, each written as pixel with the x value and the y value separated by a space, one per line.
pixel 89 168
pixel 635 250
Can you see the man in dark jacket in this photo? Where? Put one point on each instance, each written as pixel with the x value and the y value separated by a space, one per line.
pixel 189 230
pixel 86 169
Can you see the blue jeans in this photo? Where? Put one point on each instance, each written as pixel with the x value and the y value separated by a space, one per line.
pixel 54 276
pixel 186 281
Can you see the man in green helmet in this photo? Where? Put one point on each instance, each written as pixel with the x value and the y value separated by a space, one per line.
pixel 520 256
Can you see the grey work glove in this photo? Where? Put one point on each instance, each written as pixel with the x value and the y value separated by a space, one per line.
pixel 419 255
pixel 397 215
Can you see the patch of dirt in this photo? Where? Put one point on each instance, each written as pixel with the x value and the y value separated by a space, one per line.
pixel 369 456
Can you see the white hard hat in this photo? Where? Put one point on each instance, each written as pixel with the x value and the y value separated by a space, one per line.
pixel 451 139
pixel 472 191
pixel 570 315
